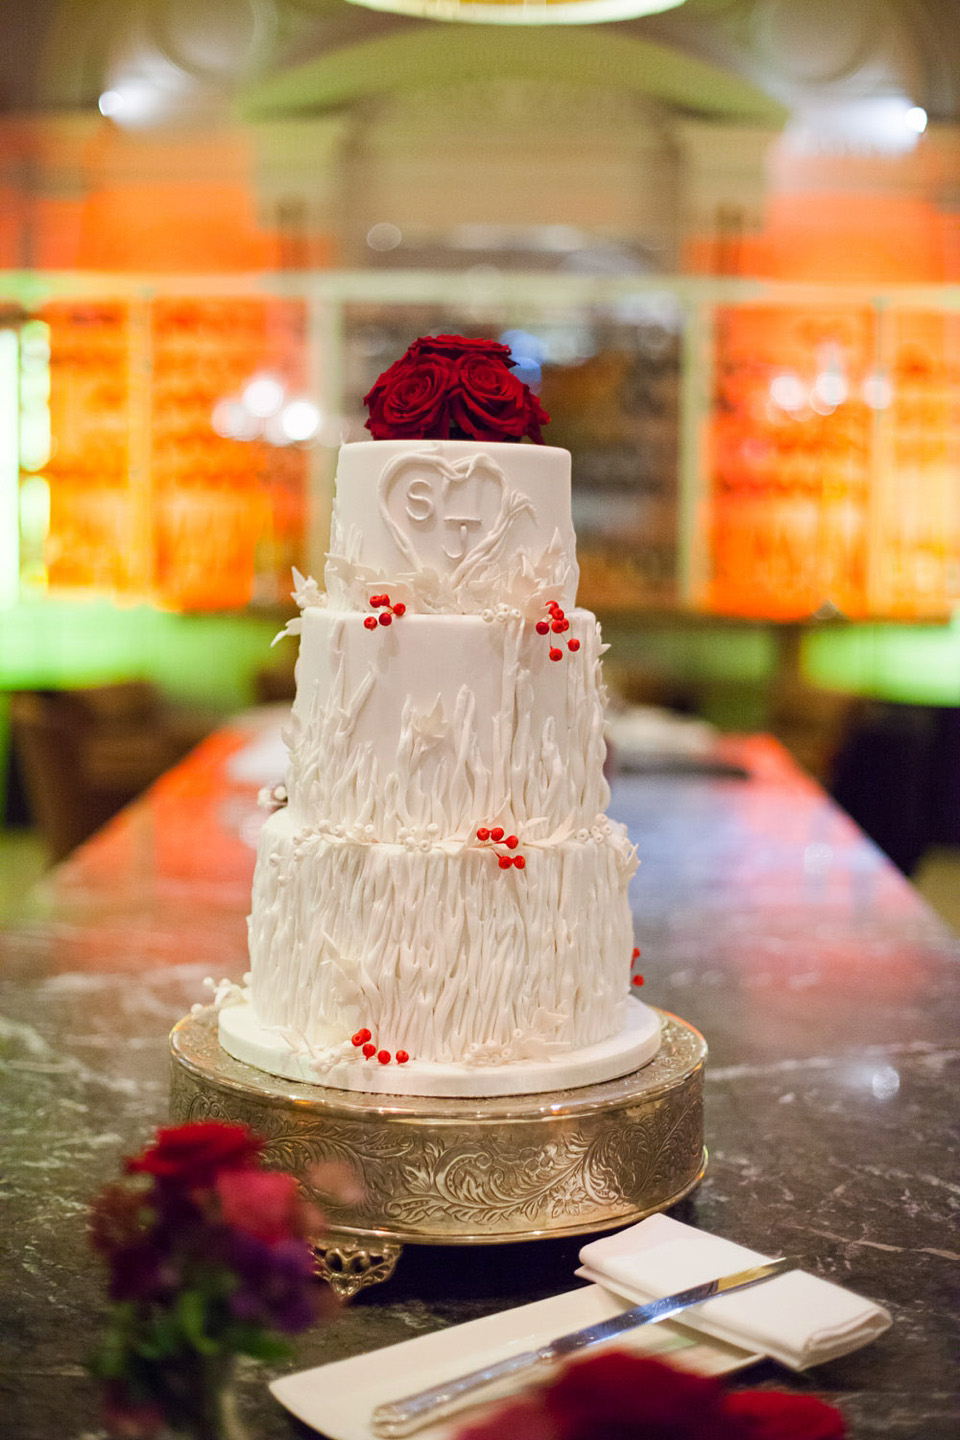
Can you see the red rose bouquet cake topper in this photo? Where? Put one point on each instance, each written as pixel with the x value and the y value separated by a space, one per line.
pixel 446 387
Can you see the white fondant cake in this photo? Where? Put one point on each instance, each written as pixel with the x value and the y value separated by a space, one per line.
pixel 443 886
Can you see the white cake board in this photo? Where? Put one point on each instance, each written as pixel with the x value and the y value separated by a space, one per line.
pixel 636 1044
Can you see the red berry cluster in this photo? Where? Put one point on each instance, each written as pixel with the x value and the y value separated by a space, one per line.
pixel 498 837
pixel 636 979
pixel 387 611
pixel 364 1041
pixel 557 625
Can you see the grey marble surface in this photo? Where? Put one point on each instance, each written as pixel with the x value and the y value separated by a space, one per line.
pixel 826 989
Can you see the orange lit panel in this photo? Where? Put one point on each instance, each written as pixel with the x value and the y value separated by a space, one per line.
pixel 789 462
pixel 93 509
pixel 917 561
pixel 147 500
pixel 227 513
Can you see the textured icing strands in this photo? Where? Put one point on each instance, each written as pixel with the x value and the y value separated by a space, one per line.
pixel 435 952
pixel 448 721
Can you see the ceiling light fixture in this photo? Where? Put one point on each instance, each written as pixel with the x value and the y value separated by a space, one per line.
pixel 110 104
pixel 523 12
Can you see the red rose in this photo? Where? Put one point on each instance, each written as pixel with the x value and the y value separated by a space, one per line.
pixel 616 1396
pixel 488 401
pixel 411 399
pixel 192 1156
pixel 524 1420
pixel 388 379
pixel 771 1415
pixel 264 1203
pixel 536 416
pixel 619 1395
pixel 453 346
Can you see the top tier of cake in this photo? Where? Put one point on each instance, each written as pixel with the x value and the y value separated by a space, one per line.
pixel 452 526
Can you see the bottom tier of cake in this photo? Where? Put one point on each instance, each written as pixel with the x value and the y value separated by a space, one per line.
pixel 245 1039
pixel 433 954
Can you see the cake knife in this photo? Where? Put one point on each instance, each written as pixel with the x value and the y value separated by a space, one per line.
pixel 404 1416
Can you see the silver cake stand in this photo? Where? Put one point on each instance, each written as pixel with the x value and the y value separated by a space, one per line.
pixel 458 1171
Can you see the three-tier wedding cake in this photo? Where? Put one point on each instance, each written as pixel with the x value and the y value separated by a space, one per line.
pixel 440 903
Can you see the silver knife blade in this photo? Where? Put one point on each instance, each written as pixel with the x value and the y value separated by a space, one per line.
pixel 404 1416
pixel 653 1310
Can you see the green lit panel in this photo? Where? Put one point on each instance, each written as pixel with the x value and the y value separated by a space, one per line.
pixel 36 445
pixel 207 660
pixel 9 467
pixel 916 664
pixel 704 651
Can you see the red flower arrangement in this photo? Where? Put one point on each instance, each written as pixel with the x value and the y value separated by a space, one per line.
pixel 616 1396
pixel 208 1258
pixel 447 387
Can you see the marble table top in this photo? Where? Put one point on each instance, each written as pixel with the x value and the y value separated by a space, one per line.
pixel 827 990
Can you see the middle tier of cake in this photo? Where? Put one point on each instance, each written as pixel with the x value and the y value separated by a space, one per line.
pixel 441 724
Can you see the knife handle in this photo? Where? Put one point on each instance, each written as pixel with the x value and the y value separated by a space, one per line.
pixel 403 1417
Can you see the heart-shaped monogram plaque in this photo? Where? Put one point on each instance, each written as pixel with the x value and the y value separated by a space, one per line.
pixel 440 514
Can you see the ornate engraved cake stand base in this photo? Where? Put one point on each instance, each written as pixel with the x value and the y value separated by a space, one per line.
pixel 463 1172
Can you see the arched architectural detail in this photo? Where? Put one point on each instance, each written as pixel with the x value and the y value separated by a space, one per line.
pixel 420 56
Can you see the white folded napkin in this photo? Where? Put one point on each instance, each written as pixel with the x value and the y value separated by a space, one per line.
pixel 796 1318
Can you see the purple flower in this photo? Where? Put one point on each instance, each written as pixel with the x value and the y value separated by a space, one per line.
pixel 277 1282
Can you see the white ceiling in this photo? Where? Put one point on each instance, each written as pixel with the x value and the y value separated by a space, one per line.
pixel 64 53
